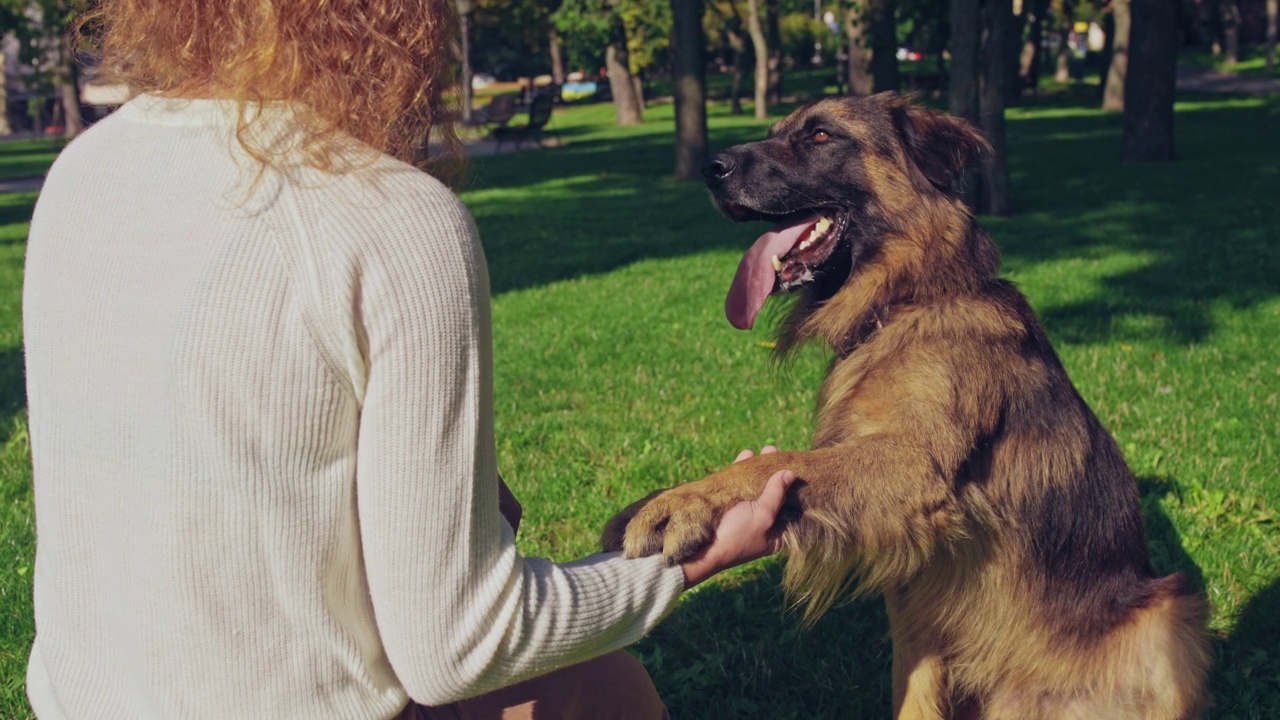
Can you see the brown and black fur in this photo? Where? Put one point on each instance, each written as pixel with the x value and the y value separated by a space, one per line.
pixel 954 467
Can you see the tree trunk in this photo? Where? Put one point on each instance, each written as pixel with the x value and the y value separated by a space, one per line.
pixel 884 45
pixel 1231 30
pixel 5 127
pixel 1062 71
pixel 855 31
pixel 69 85
pixel 464 27
pixel 773 36
pixel 1149 86
pixel 731 32
pixel 1113 94
pixel 1273 10
pixel 625 103
pixel 1017 27
pixel 997 16
pixel 739 48
pixel 756 29
pixel 557 56
pixel 966 40
pixel 962 85
pixel 1029 62
pixel 687 68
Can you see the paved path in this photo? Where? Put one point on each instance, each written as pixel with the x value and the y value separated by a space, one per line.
pixel 21 184
pixel 1208 80
pixel 1189 78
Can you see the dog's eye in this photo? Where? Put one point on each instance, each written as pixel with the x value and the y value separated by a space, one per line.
pixel 821 136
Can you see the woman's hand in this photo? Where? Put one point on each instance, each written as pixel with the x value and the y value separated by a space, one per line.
pixel 746 531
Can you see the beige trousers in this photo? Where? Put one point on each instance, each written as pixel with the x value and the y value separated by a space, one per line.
pixel 611 687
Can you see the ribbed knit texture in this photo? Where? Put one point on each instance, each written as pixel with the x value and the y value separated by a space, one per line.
pixel 262 428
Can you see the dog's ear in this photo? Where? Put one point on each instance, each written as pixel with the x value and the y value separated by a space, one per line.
pixel 939 148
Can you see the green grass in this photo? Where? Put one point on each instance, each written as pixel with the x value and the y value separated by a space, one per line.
pixel 28 158
pixel 1252 62
pixel 17 529
pixel 616 373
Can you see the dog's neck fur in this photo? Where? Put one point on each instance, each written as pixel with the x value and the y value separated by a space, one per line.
pixel 915 260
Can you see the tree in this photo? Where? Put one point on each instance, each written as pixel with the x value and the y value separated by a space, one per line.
pixel 1230 18
pixel 856 20
pixel 601 22
pixel 1062 11
pixel 978 86
pixel 8 19
pixel 464 56
pixel 773 38
pixel 728 22
pixel 997 17
pixel 966 43
pixel 756 29
pixel 1273 10
pixel 556 55
pixel 627 104
pixel 884 45
pixel 687 68
pixel 1150 83
pixel 1030 59
pixel 1113 93
pixel 48 55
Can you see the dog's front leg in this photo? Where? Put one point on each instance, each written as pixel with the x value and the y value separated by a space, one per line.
pixel 681 521
pixel 878 506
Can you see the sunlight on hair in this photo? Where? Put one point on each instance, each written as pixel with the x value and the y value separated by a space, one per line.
pixel 379 71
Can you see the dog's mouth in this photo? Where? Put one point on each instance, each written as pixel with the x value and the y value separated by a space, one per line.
pixel 783 259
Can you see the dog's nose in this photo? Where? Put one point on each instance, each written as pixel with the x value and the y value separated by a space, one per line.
pixel 718 167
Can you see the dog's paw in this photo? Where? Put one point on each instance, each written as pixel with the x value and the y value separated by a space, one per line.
pixel 679 523
pixel 611 539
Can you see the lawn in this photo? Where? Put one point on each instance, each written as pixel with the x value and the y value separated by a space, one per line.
pixel 616 373
pixel 1252 62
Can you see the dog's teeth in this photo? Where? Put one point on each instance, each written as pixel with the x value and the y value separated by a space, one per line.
pixel 777 264
pixel 823 225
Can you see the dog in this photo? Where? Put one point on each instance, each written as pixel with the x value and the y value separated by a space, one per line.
pixel 954 467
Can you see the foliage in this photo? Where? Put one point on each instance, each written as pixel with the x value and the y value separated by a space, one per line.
pixel 648 26
pixel 590 25
pixel 509 37
pixel 799 31
pixel 615 373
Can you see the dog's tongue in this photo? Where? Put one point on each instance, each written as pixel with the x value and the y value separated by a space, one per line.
pixel 756 277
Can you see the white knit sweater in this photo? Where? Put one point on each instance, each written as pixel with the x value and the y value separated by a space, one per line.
pixel 262 428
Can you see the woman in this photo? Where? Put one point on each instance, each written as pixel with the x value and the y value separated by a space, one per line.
pixel 261 405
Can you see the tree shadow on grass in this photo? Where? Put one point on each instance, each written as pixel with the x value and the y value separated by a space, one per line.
pixel 734 650
pixel 1246 675
pixel 16 208
pixel 589 208
pixel 1205 229
pixel 13 388
pixel 28 158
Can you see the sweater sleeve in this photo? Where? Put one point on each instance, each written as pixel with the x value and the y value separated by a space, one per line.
pixel 459 610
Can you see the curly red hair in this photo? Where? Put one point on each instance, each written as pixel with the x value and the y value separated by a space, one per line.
pixel 376 70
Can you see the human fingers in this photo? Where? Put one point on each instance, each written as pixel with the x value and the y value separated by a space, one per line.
pixel 775 492
pixel 768 450
pixel 744 455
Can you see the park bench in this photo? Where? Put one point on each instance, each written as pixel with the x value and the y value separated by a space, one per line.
pixel 539 116
pixel 498 112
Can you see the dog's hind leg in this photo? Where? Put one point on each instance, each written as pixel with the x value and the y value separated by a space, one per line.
pixel 921 690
